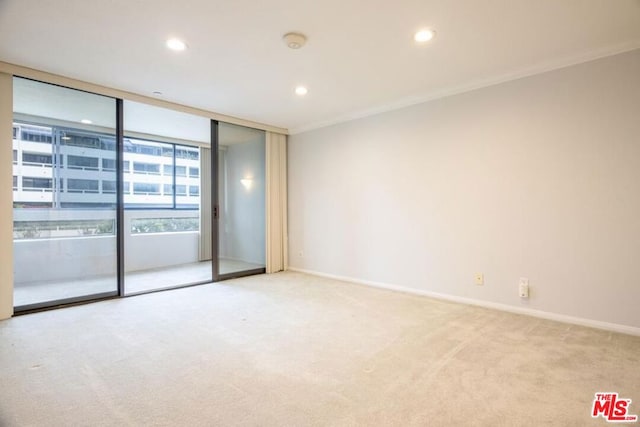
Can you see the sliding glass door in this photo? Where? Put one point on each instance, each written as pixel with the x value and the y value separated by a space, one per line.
pixel 64 195
pixel 116 197
pixel 163 179
pixel 241 200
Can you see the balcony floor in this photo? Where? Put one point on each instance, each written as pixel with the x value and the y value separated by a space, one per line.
pixel 136 281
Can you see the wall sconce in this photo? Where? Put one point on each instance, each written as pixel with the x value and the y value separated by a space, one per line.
pixel 247 183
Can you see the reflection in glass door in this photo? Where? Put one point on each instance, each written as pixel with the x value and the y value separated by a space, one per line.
pixel 64 198
pixel 241 200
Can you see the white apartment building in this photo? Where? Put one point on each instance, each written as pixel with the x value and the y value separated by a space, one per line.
pixel 56 167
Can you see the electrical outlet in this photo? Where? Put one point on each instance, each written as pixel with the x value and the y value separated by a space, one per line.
pixel 479 279
pixel 523 287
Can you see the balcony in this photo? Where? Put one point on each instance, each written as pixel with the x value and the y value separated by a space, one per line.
pixel 63 254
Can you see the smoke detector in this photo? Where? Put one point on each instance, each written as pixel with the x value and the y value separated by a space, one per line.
pixel 294 40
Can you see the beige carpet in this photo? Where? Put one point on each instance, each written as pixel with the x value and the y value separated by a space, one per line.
pixel 296 350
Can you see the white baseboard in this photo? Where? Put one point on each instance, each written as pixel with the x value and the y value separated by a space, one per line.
pixel 613 327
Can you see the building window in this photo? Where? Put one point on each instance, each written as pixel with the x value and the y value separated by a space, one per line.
pixel 108 144
pixel 146 188
pixel 15 157
pixel 180 170
pixel 16 132
pixel 81 141
pixel 186 153
pixel 140 147
pixel 156 161
pixel 32 159
pixel 146 168
pixel 15 183
pixel 109 187
pixel 36 184
pixel 108 164
pixel 82 162
pixel 82 185
pixel 36 134
pixel 194 190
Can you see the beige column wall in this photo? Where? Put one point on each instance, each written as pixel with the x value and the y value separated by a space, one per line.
pixel 277 246
pixel 6 196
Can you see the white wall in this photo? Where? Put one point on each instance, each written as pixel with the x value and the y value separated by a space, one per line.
pixel 6 197
pixel 538 177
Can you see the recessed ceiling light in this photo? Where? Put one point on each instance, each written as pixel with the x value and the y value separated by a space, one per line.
pixel 423 36
pixel 176 44
pixel 301 90
pixel 86 121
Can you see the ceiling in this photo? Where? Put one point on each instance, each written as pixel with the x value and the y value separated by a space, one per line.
pixel 33 101
pixel 360 57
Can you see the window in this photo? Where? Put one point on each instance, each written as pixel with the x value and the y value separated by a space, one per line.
pixel 15 182
pixel 186 153
pixel 149 150
pixel 16 132
pixel 108 187
pixel 125 166
pixel 32 159
pixel 146 168
pixel 108 144
pixel 108 164
pixel 82 185
pixel 36 134
pixel 81 141
pixel 126 187
pixel 142 147
pixel 82 162
pixel 15 157
pixel 164 179
pixel 146 188
pixel 36 184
